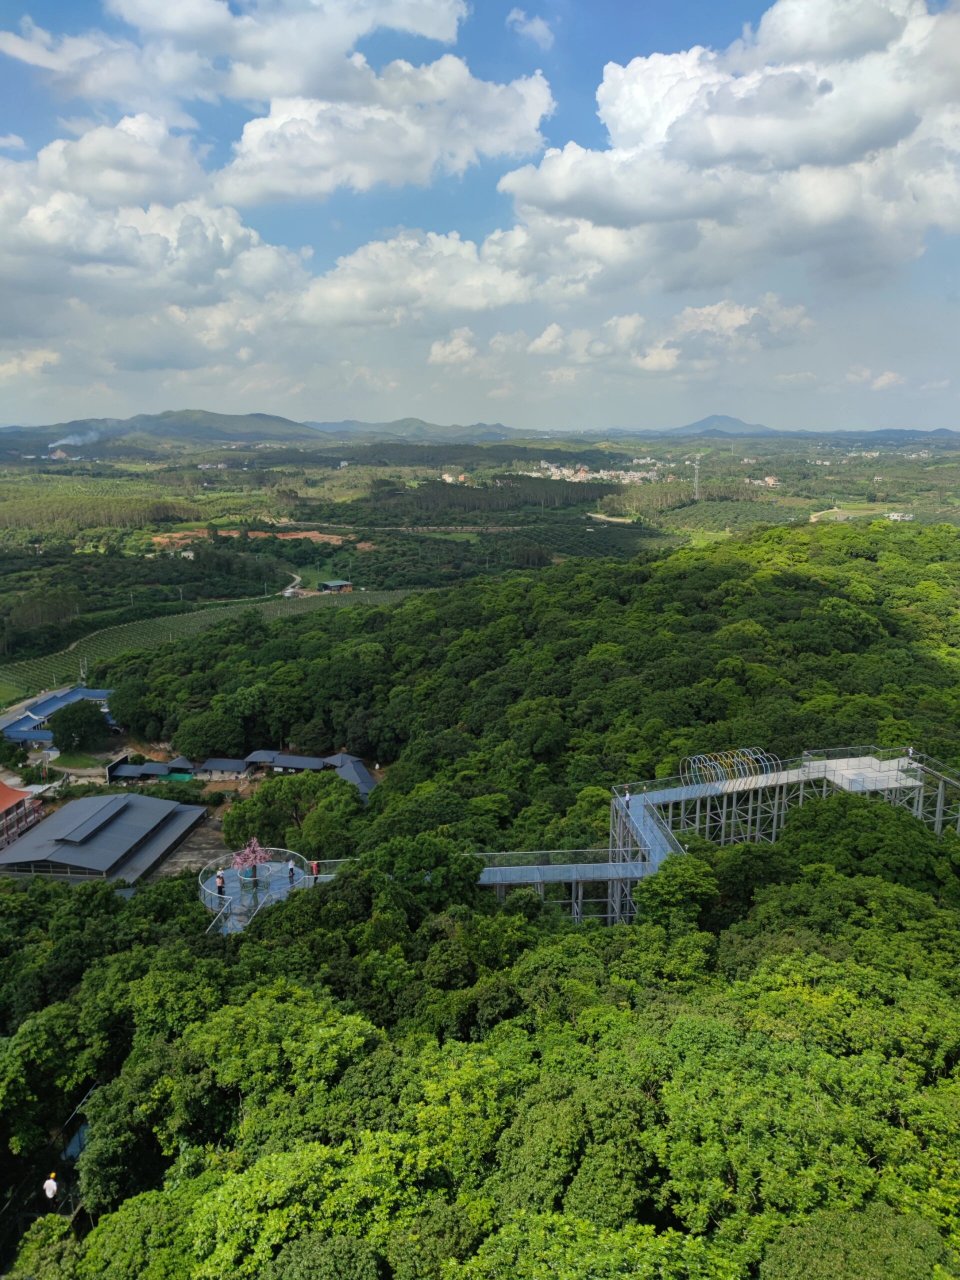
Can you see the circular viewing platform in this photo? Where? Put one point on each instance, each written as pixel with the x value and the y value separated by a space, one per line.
pixel 246 892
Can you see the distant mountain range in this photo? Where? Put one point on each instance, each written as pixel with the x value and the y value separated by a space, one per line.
pixel 148 432
pixel 718 424
pixel 200 427
pixel 414 429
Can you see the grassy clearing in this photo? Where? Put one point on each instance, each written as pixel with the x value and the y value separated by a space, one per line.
pixel 705 537
pixel 19 679
pixel 858 511
pixel 76 760
pixel 9 692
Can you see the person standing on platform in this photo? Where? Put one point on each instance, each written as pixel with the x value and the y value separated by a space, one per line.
pixel 290 871
pixel 51 1190
pixel 221 884
pixel 314 870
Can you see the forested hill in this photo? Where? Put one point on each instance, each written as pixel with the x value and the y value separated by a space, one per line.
pixel 534 686
pixel 393 1078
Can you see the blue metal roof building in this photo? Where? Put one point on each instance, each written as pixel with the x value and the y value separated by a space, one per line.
pixel 29 725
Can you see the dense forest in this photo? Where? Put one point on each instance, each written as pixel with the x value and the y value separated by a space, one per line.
pixel 383 560
pixel 391 502
pixel 533 686
pixel 392 1077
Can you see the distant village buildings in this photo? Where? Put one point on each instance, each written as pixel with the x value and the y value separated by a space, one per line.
pixel 581 474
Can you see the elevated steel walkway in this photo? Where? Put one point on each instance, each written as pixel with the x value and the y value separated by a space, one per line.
pixel 731 797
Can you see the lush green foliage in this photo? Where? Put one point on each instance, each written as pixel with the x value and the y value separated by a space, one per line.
pixel 520 692
pixel 32 674
pixel 391 1077
pixel 78 726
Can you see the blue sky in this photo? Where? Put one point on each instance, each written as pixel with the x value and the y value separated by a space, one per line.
pixel 553 215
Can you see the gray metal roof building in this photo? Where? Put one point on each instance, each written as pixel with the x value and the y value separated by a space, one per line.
pixel 115 837
pixel 126 772
pixel 350 768
pixel 222 764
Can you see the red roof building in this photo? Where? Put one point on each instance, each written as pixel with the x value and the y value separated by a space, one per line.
pixel 18 811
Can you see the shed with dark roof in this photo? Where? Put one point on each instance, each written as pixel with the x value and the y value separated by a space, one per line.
pixel 350 768
pixel 222 765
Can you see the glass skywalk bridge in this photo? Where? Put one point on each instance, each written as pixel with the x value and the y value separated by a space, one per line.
pixel 730 797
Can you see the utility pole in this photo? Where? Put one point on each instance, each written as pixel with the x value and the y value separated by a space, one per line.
pixel 696 477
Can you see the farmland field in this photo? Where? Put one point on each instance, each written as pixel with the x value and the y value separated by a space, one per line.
pixel 19 679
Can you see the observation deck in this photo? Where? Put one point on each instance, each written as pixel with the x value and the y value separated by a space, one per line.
pixel 246 893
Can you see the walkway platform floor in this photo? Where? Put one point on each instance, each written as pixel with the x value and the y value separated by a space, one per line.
pixel 247 896
pixel 849 773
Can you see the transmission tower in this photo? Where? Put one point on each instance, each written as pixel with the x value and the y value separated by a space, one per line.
pixel 696 477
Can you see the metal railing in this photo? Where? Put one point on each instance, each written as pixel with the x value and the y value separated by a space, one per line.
pixel 219 918
pixel 271 884
pixel 677 782
pixel 543 857
pixel 881 754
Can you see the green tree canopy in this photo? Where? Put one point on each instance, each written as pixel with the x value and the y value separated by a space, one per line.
pixel 78 726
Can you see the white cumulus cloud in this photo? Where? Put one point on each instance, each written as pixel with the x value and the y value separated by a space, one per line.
pixel 536 29
pixel 135 161
pixel 26 363
pixel 457 349
pixel 831 132
pixel 388 281
pixel 192 50
pixel 413 122
pixel 549 342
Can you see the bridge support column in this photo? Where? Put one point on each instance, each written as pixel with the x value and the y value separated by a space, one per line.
pixel 938 814
pixel 576 902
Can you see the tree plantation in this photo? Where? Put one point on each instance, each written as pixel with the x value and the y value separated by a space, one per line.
pixel 394 1076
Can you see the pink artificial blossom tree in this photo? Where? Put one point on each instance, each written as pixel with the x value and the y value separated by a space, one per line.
pixel 253 854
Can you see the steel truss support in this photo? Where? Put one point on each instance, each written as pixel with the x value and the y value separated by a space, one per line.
pixel 732 798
